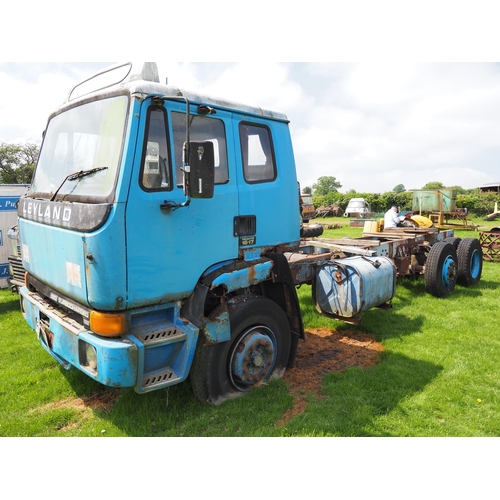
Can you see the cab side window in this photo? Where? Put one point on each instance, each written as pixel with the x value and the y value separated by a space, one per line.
pixel 257 153
pixel 155 170
pixel 202 128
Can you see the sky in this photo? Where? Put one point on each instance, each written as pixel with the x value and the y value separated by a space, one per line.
pixel 371 125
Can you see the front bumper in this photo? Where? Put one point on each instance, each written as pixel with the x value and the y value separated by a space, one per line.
pixel 157 351
pixel 67 341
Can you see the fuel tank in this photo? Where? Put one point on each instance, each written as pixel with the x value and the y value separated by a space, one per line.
pixel 345 288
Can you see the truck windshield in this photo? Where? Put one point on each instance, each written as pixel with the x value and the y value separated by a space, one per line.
pixel 86 138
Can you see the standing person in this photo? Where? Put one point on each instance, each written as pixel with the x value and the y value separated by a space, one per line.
pixel 391 219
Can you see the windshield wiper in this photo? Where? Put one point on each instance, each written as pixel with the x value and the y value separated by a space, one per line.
pixel 76 175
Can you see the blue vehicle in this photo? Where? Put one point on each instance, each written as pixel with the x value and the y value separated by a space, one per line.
pixel 149 251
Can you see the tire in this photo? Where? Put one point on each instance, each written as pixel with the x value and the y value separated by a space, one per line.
pixel 311 231
pixel 257 351
pixel 441 270
pixel 470 261
pixel 454 241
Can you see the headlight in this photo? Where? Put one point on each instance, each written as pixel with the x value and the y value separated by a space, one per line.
pixel 91 354
pixel 88 356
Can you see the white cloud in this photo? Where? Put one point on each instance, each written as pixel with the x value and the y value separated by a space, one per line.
pixel 379 84
pixel 263 84
pixel 27 102
pixel 407 124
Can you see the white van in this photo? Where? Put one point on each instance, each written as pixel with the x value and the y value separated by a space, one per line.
pixel 358 207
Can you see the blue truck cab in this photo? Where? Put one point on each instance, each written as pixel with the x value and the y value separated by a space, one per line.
pixel 155 225
pixel 161 239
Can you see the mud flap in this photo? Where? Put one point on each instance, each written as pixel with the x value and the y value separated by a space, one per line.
pixel 282 274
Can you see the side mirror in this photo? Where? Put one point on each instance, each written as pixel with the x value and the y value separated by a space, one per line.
pixel 199 171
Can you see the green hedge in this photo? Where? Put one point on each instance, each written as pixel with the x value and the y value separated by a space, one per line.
pixel 478 204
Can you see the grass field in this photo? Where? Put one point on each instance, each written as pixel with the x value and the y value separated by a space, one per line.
pixel 439 375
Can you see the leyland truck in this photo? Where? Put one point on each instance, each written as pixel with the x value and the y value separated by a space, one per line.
pixel 161 240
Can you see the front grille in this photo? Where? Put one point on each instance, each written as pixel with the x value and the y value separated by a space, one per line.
pixel 67 307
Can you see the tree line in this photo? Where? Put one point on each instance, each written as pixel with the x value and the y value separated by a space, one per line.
pixel 17 162
pixel 325 192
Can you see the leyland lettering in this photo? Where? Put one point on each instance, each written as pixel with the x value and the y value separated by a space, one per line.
pixel 36 210
pixel 77 216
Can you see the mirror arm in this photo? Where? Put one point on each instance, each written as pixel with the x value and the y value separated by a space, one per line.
pixel 172 205
pixel 185 156
pixel 185 167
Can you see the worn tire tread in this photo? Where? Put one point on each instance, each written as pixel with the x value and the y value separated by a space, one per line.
pixel 433 269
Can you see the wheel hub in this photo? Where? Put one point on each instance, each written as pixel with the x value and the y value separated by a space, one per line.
pixel 475 264
pixel 253 357
pixel 449 273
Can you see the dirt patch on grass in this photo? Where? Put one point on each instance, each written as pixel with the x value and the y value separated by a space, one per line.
pixel 322 352
pixel 103 399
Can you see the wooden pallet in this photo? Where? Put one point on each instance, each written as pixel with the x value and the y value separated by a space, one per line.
pixel 490 243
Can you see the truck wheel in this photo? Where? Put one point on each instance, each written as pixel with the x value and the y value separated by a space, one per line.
pixel 441 269
pixel 258 350
pixel 470 261
pixel 454 241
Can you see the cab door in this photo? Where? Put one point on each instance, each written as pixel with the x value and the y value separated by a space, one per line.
pixel 170 243
pixel 269 212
